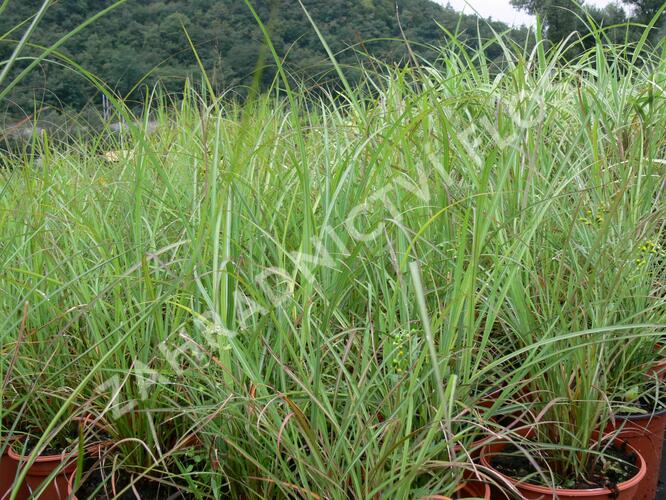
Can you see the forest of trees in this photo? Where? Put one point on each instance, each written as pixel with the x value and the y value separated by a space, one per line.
pixel 148 37
pixel 562 17
pixel 145 40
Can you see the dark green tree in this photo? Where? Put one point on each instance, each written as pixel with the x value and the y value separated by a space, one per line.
pixel 645 10
pixel 560 17
pixel 148 37
pixel 563 17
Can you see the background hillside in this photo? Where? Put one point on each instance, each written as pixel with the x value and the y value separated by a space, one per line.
pixel 147 36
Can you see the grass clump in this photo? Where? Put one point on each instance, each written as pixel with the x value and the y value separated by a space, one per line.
pixel 341 296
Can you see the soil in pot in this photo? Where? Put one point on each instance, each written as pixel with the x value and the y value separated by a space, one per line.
pixel 514 463
pixel 618 477
pixel 99 485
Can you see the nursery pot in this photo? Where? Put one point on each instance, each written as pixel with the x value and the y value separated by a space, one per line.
pixel 474 489
pixel 8 472
pixel 471 489
pixel 70 486
pixel 44 465
pixel 509 420
pixel 658 368
pixel 625 491
pixel 644 433
pixel 41 468
pixel 476 446
pixel 7 469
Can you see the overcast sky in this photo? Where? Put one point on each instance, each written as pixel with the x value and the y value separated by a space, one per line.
pixel 501 9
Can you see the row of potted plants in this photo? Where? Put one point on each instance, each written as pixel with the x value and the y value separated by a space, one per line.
pixel 525 454
pixel 59 469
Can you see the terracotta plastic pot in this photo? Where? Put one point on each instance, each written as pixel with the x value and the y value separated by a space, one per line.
pixel 512 421
pixel 70 486
pixel 8 471
pixel 658 368
pixel 44 465
pixel 645 433
pixel 488 399
pixel 474 489
pixel 625 491
pixel 471 489
pixel 475 447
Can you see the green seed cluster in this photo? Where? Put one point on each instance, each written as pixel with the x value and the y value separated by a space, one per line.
pixel 647 250
pixel 401 343
pixel 593 219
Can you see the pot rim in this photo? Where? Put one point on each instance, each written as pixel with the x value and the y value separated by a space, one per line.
pixel 642 416
pixel 486 492
pixel 42 458
pixel 64 455
pixel 535 488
